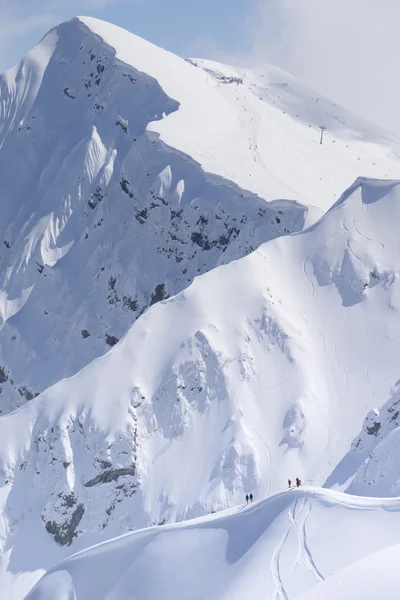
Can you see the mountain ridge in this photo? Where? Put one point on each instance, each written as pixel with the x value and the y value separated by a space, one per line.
pixel 169 286
pixel 273 547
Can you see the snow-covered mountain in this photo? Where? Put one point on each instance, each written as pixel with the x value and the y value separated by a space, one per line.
pixel 286 546
pixel 127 171
pixel 264 362
pixel 177 214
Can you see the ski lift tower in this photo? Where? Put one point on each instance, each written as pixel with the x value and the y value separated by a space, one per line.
pixel 322 128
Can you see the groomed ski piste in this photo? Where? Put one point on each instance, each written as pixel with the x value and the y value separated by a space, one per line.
pixel 304 544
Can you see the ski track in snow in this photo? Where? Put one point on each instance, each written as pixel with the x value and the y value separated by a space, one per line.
pixel 269 458
pixel 302 537
pixel 335 356
pixel 305 261
pixel 280 592
pixel 298 515
pixel 123 424
pixel 367 379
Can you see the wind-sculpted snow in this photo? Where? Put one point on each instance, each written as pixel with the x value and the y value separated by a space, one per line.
pixel 127 171
pixel 281 547
pixel 259 371
pixel 156 209
pixel 370 467
pixel 101 219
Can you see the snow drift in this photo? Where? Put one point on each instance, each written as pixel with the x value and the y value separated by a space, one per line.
pixel 262 362
pixel 278 548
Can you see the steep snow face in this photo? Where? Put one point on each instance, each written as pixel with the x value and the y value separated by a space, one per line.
pixel 101 219
pixel 126 167
pixel 243 380
pixel 282 547
pixel 370 468
pixel 375 453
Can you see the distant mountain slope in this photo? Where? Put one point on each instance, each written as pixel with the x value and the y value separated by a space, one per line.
pixel 100 218
pixel 278 548
pixel 261 370
pixel 127 171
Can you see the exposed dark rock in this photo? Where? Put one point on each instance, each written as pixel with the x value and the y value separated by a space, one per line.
pixel 110 475
pixel 141 216
pixel 130 303
pixel 111 340
pixel 374 429
pixel 95 198
pixel 121 124
pixel 3 375
pixel 201 240
pixel 69 94
pixel 29 394
pixel 85 333
pixel 64 533
pixel 124 183
pixel 158 294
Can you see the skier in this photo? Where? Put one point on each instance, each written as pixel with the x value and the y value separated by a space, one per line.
pixel 289 483
pixel 251 497
pixel 247 498
pixel 298 482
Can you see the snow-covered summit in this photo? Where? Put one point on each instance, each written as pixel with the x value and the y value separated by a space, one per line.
pixel 167 211
pixel 115 154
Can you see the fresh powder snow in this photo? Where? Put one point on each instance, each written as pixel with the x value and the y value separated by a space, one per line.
pixel 292 545
pixel 198 301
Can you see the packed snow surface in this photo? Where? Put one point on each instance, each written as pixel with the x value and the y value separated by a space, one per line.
pixel 300 544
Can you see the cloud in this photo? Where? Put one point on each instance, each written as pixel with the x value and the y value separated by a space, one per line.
pixel 346 49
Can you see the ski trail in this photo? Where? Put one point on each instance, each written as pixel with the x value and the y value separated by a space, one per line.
pixel 307 258
pixel 269 458
pixel 305 262
pixel 280 593
pixel 367 379
pixel 335 356
pixel 302 537
pixel 363 235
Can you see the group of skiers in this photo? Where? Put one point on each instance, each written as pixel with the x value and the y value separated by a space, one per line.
pixel 298 483
pixel 250 497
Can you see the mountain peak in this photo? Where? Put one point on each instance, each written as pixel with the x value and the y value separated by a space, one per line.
pixel 168 289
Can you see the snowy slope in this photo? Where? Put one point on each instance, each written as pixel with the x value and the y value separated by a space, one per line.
pixel 157 207
pixel 280 548
pixel 127 171
pixel 100 219
pixel 267 369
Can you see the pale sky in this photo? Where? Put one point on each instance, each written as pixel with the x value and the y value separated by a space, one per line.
pixel 348 50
